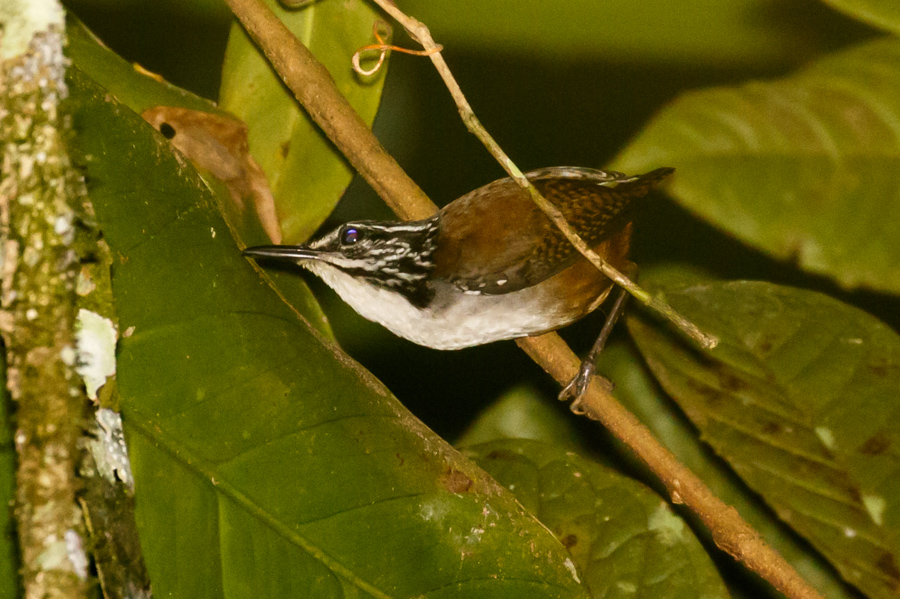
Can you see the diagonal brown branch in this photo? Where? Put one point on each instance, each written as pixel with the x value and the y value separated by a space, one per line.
pixel 331 111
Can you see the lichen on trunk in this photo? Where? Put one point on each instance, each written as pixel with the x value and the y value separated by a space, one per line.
pixel 40 197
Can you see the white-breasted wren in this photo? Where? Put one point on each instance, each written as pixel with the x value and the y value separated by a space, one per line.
pixel 488 266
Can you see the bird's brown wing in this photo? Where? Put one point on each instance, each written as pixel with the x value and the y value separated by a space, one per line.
pixel 495 240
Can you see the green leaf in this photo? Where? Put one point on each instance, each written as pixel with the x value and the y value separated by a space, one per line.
pixel 140 92
pixel 623 537
pixel 800 397
pixel 523 414
pixel 306 173
pixel 690 32
pixel 637 390
pixel 804 168
pixel 881 13
pixel 9 576
pixel 267 462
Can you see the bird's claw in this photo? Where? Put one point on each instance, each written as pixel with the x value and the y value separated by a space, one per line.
pixel 579 384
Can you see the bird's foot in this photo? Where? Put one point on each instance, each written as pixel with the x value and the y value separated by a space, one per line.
pixel 579 384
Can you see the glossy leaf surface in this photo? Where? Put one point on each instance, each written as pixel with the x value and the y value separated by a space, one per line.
pixel 306 173
pixel 881 13
pixel 805 168
pixel 267 462
pixel 623 537
pixel 800 398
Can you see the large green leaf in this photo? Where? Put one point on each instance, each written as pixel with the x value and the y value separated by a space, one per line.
pixel 881 13
pixel 267 462
pixel 9 588
pixel 623 537
pixel 804 168
pixel 306 173
pixel 638 392
pixel 800 397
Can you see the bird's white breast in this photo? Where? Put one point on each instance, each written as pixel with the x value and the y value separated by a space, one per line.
pixel 455 319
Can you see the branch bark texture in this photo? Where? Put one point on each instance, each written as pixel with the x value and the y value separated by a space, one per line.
pixel 38 195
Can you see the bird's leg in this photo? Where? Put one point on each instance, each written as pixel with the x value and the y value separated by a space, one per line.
pixel 578 386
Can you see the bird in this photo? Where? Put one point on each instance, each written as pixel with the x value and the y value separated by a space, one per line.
pixel 488 266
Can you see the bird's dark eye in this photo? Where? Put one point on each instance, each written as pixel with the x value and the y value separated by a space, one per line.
pixel 350 236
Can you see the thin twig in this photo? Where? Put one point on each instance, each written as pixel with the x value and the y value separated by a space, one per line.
pixel 422 35
pixel 732 534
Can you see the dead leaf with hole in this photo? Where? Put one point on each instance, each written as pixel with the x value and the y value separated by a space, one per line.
pixel 218 145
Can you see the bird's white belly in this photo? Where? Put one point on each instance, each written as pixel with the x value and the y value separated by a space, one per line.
pixel 468 320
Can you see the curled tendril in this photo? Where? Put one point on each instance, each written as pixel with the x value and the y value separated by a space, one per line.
pixel 382 30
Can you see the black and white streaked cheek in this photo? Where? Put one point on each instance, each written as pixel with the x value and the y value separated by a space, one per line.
pixel 357 266
pixel 393 256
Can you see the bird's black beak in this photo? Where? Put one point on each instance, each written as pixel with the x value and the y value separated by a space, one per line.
pixel 292 253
